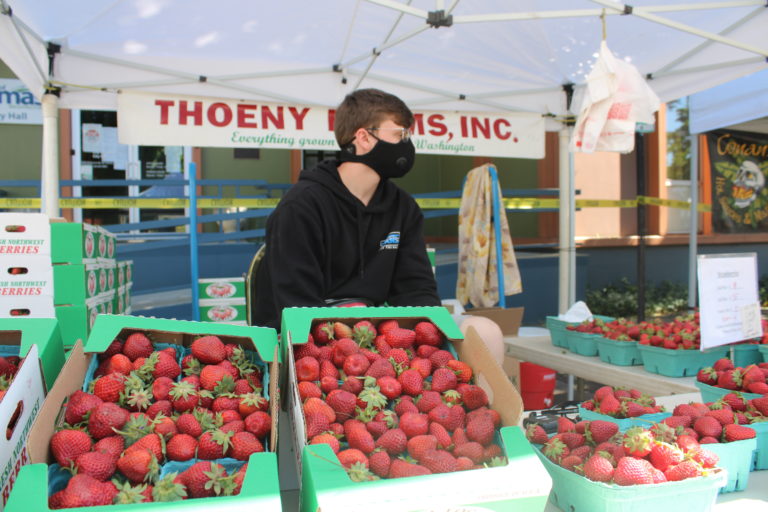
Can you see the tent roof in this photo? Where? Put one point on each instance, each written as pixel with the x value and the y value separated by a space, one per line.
pixel 740 105
pixel 496 55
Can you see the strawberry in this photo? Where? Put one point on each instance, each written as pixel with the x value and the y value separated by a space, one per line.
pixel 161 387
pixel 137 345
pixel 663 455
pixel 181 447
pixel 322 333
pixel 316 423
pixel 609 406
pixel 109 387
pixel 86 491
pixel 116 347
pixel 402 469
pixel 729 379
pixel 259 424
pixel 599 431
pixel 351 456
pixel 723 364
pixel 427 333
pixel 706 458
pixel 251 402
pixel 352 384
pixel 414 424
pixel 215 378
pixel 356 364
pixel 572 439
pixel 459 437
pixel 341 330
pixel 570 462
pixel 231 424
pixel 390 387
pixel 381 368
pixel 536 434
pixel 736 401
pixel 444 379
pixel 687 443
pixel 208 350
pixel 138 465
pixel 152 443
pixel 67 445
pixel 707 376
pixel 441 434
pixel 387 325
pixel 112 446
pixel 403 406
pixel 632 471
pixel 400 338
pixel 565 425
pixel 226 402
pixel 99 465
pixel 119 363
pixel 440 358
pixel 105 419
pixel 307 369
pixel 462 370
pixel 481 430
pixel 364 332
pixel 243 445
pixel 129 494
pixel 684 470
pixel 317 405
pixel 213 445
pixel 379 463
pixel 471 450
pixel 734 432
pixel 412 382
pixel 723 416
pixel 421 365
pixel 309 389
pixel 308 349
pixel 343 404
pixel 438 461
pixel 163 407
pixel 327 438
pixel 637 442
pixel 393 441
pixel 183 396
pixel 204 479
pixel 473 397
pixel 361 439
pixel 79 404
pixel 165 427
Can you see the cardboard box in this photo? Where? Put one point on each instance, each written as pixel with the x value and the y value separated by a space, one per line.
pixel 26 286
pixel 25 234
pixel 75 284
pixel 523 484
pixel 261 489
pixel 509 319
pixel 24 398
pixel 128 271
pixel 105 244
pixel 74 242
pixel 221 288
pixel 76 320
pixel 226 310
pixel 43 333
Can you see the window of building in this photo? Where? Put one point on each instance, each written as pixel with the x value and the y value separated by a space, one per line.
pixel 678 143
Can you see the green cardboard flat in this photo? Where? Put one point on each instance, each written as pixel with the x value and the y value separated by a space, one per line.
pixel 73 242
pixel 43 332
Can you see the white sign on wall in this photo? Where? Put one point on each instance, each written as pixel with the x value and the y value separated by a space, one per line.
pixel 17 104
pixel 161 120
pixel 730 305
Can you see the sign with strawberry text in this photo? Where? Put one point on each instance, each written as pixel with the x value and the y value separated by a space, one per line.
pixel 728 299
pixel 165 120
pixel 739 170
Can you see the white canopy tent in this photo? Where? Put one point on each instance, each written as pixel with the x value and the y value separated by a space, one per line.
pixel 457 55
pixel 741 104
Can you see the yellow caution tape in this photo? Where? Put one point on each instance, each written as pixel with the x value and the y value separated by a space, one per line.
pixel 427 203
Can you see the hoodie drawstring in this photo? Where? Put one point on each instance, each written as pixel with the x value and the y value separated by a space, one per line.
pixel 360 236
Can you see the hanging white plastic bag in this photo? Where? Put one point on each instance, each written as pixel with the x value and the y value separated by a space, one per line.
pixel 616 97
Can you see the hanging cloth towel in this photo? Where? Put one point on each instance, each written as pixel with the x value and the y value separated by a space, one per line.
pixel 478 281
pixel 615 98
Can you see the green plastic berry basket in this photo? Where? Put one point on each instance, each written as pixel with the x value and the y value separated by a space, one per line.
pixel 575 493
pixel 619 353
pixel 736 459
pixel 760 460
pixel 646 420
pixel 583 343
pixel 679 363
pixel 746 354
pixel 714 393
pixel 557 331
pixel 763 349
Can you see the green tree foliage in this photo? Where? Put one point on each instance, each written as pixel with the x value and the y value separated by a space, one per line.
pixel 678 144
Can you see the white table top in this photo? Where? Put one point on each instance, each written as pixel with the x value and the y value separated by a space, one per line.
pixel 539 350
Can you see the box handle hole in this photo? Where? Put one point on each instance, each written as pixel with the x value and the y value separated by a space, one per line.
pixel 14 420
pixel 15 271
pixel 20 312
pixel 15 228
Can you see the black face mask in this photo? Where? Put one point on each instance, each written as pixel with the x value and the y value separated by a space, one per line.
pixel 389 160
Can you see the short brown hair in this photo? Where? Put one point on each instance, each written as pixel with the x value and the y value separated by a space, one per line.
pixel 367 108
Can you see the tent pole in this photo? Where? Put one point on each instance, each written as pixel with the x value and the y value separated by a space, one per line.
pixel 641 224
pixel 571 225
pixel 694 229
pixel 50 170
pixel 193 263
pixel 564 214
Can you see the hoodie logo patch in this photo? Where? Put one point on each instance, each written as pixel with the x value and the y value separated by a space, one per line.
pixel 391 242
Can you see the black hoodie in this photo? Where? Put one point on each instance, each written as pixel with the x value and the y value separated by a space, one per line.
pixel 324 243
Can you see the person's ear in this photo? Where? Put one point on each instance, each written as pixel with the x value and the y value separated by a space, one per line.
pixel 365 140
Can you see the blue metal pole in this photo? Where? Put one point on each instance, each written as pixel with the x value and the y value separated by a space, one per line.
pixel 193 264
pixel 498 210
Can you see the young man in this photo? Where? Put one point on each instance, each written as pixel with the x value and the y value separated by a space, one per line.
pixel 345 232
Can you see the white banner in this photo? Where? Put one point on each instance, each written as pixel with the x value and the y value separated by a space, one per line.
pixel 17 104
pixel 161 120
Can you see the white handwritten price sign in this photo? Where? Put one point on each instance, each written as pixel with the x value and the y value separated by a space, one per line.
pixel 730 306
